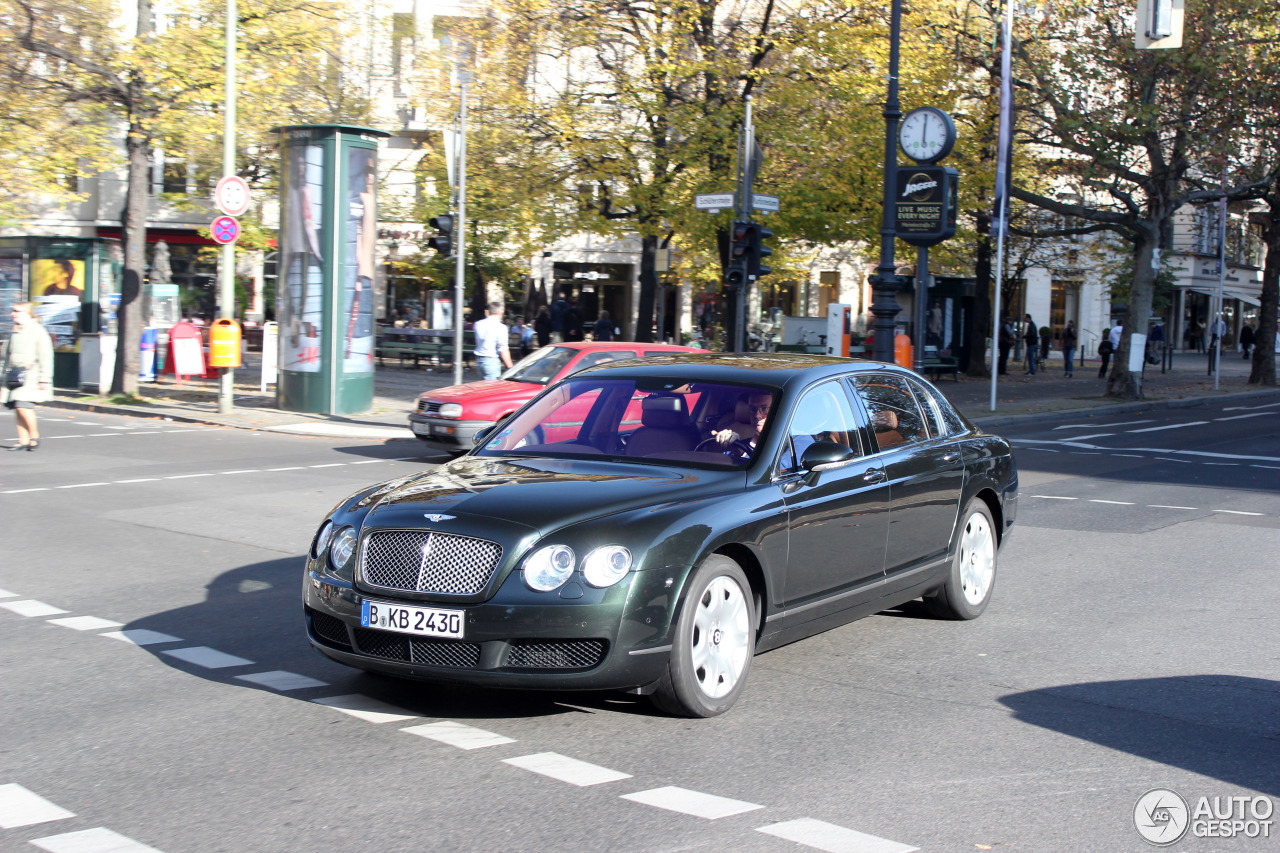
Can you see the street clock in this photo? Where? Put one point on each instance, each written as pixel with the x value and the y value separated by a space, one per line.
pixel 926 134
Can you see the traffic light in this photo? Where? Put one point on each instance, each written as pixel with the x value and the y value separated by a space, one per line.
pixel 443 241
pixel 757 251
pixel 739 251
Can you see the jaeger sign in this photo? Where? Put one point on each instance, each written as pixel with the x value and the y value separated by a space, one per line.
pixel 925 204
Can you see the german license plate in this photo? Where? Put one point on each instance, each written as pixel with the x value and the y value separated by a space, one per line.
pixel 420 429
pixel 404 619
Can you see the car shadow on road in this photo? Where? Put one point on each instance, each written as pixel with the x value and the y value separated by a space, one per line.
pixel 255 613
pixel 1225 727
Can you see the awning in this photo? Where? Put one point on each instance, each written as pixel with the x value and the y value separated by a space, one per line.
pixel 1228 293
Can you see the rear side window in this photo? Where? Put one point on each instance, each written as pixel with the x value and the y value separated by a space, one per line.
pixel 950 418
pixel 930 409
pixel 591 359
pixel 894 413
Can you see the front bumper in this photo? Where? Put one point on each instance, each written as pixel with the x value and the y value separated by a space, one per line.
pixel 615 638
pixel 445 433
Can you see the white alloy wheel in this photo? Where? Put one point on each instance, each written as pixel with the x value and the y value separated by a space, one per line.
pixel 977 558
pixel 721 642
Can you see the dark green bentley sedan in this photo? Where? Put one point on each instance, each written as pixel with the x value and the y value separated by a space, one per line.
pixel 653 524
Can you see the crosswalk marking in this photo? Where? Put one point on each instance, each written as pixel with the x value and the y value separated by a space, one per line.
pixel 456 734
pixel 20 807
pixel 694 803
pixel 832 838
pixel 142 637
pixel 206 657
pixel 85 623
pixel 282 681
pixel 365 708
pixel 566 769
pixel 30 607
pixel 4 593
pixel 98 840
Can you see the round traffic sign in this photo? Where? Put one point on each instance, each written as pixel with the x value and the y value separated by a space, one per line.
pixel 226 229
pixel 232 195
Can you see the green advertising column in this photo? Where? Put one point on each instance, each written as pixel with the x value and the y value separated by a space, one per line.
pixel 328 230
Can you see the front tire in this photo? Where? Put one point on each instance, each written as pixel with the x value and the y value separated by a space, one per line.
pixel 714 642
pixel 973 567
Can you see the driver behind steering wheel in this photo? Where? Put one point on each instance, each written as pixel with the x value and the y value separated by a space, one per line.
pixel 751 413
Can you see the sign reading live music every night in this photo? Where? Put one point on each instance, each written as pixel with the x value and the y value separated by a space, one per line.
pixel 925 203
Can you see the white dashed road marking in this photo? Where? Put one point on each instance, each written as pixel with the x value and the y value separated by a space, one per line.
pixel 1168 506
pixel 456 734
pixel 566 769
pixel 1109 426
pixel 81 485
pixel 282 681
pixel 1117 503
pixel 694 803
pixel 142 637
pixel 1236 512
pixel 1053 497
pixel 1169 426
pixel 99 840
pixel 831 838
pixel 20 807
pixel 4 593
pixel 207 657
pixel 85 623
pixel 1238 417
pixel 365 708
pixel 31 607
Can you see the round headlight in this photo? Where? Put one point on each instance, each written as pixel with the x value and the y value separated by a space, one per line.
pixel 450 410
pixel 322 539
pixel 606 566
pixel 344 545
pixel 549 567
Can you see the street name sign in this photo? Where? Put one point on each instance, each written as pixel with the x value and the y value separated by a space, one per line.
pixel 714 202
pixel 766 203
pixel 232 195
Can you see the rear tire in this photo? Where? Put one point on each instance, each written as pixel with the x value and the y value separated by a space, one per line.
pixel 714 642
pixel 972 576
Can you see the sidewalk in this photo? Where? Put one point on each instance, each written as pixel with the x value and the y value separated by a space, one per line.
pixel 1020 398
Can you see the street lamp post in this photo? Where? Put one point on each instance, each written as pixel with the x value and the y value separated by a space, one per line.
pixel 227 275
pixel 886 282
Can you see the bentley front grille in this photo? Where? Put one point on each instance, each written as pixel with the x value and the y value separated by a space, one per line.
pixel 428 561
pixel 555 654
pixel 390 646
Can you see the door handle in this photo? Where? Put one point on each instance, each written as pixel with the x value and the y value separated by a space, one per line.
pixel 874 475
pixel 951 457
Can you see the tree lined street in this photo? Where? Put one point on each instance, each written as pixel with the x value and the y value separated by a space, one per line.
pixel 1130 645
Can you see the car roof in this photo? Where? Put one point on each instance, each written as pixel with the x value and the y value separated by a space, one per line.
pixel 762 369
pixel 581 345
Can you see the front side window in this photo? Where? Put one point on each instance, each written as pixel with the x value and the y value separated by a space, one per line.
pixel 823 414
pixel 894 413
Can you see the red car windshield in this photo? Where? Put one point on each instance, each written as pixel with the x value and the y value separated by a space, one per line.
pixel 540 366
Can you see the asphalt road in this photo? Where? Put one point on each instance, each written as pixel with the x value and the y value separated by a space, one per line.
pixel 1133 643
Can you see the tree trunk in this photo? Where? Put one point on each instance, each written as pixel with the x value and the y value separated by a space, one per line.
pixel 1124 383
pixel 1264 356
pixel 134 226
pixel 648 287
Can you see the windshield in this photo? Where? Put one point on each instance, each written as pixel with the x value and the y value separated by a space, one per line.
pixel 540 366
pixel 659 420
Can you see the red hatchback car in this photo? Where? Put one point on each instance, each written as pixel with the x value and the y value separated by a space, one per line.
pixel 446 419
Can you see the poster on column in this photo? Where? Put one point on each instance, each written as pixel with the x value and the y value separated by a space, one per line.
pixel 57 286
pixel 359 233
pixel 301 259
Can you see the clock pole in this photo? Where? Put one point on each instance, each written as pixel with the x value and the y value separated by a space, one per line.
pixel 885 282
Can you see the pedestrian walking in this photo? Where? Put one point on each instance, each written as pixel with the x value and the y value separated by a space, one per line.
pixel 1069 338
pixel 1032 338
pixel 573 322
pixel 28 374
pixel 559 311
pixel 603 330
pixel 1246 340
pixel 1217 330
pixel 493 348
pixel 1006 344
pixel 542 326
pixel 1104 352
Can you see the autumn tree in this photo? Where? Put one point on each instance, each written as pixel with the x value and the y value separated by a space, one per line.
pixel 153 86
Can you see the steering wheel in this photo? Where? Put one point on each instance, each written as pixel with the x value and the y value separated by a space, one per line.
pixel 738 444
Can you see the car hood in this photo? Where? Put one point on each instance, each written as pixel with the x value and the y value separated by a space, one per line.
pixel 486 389
pixel 542 494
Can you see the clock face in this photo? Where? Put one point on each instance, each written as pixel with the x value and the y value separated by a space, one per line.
pixel 926 134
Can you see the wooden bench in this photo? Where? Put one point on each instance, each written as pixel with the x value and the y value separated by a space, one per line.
pixel 405 349
pixel 937 365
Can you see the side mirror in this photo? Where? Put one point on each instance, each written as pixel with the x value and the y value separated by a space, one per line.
pixel 827 456
pixel 483 435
